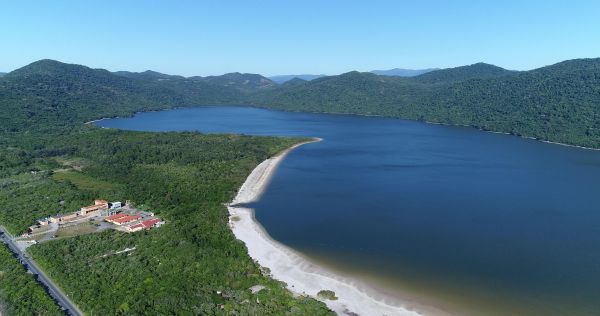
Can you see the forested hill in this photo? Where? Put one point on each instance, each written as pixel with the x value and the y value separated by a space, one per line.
pixel 559 103
pixel 399 72
pixel 48 94
pixel 147 75
pixel 50 162
pixel 235 80
pixel 475 71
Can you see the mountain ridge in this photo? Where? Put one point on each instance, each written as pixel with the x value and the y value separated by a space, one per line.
pixel 478 70
pixel 280 79
pixel 559 102
pixel 401 72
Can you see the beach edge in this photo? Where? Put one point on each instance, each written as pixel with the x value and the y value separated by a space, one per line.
pixel 301 275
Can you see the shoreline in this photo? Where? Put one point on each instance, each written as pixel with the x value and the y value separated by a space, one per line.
pixel 360 115
pixel 302 276
pixel 509 134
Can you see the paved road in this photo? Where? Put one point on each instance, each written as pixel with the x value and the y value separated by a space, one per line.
pixel 55 292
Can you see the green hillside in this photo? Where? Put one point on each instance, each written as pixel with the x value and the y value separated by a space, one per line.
pixel 475 71
pixel 244 82
pixel 48 93
pixel 147 75
pixel 558 103
pixel 193 265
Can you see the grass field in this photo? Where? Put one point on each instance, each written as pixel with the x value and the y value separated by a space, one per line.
pixel 75 230
pixel 82 181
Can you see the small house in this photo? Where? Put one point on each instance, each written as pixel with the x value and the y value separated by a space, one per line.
pixel 115 205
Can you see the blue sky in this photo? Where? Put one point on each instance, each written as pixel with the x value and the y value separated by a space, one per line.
pixel 293 37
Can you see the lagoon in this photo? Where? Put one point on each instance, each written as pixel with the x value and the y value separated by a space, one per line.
pixel 472 222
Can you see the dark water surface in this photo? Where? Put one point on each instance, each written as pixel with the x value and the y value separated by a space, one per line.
pixel 481 223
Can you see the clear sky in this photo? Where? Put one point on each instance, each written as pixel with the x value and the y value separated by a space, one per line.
pixel 294 37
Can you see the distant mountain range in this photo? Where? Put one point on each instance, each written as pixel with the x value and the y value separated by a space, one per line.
pixel 558 103
pixel 396 72
pixel 2 74
pixel 235 79
pixel 399 72
pixel 147 75
pixel 283 78
pixel 239 80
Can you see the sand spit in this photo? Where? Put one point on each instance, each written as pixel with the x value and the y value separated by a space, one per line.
pixel 301 275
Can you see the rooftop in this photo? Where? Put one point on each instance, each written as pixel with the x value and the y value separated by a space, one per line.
pixel 137 226
pixel 126 218
pixel 116 216
pixel 150 222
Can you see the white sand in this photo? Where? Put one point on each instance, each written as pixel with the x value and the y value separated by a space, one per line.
pixel 287 265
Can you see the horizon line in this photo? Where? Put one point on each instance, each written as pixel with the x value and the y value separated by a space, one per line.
pixel 294 74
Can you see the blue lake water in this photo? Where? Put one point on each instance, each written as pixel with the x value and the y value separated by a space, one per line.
pixel 478 223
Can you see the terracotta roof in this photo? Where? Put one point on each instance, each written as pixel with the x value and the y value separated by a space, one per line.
pixel 126 219
pixel 113 217
pixel 150 222
pixel 137 226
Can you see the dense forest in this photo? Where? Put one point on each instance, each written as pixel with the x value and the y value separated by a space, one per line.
pixel 194 264
pixel 181 267
pixel 559 103
pixel 20 294
pixel 50 163
pixel 556 103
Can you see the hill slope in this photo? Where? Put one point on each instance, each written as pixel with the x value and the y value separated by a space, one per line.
pixel 47 93
pixel 475 71
pixel 559 103
pixel 283 78
pixel 192 265
pixel 147 75
pixel 239 81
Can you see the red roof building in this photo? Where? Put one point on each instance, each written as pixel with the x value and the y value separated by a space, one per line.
pixel 149 223
pixel 114 217
pixel 126 219
pixel 136 227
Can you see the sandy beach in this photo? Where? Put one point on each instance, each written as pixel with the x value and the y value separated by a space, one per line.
pixel 300 274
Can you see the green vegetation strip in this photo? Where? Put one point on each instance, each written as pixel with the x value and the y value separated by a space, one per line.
pixel 193 264
pixel 20 293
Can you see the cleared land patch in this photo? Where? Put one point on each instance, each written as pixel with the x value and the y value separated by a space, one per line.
pixel 82 181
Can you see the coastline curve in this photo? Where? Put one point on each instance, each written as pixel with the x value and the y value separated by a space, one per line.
pixel 302 276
